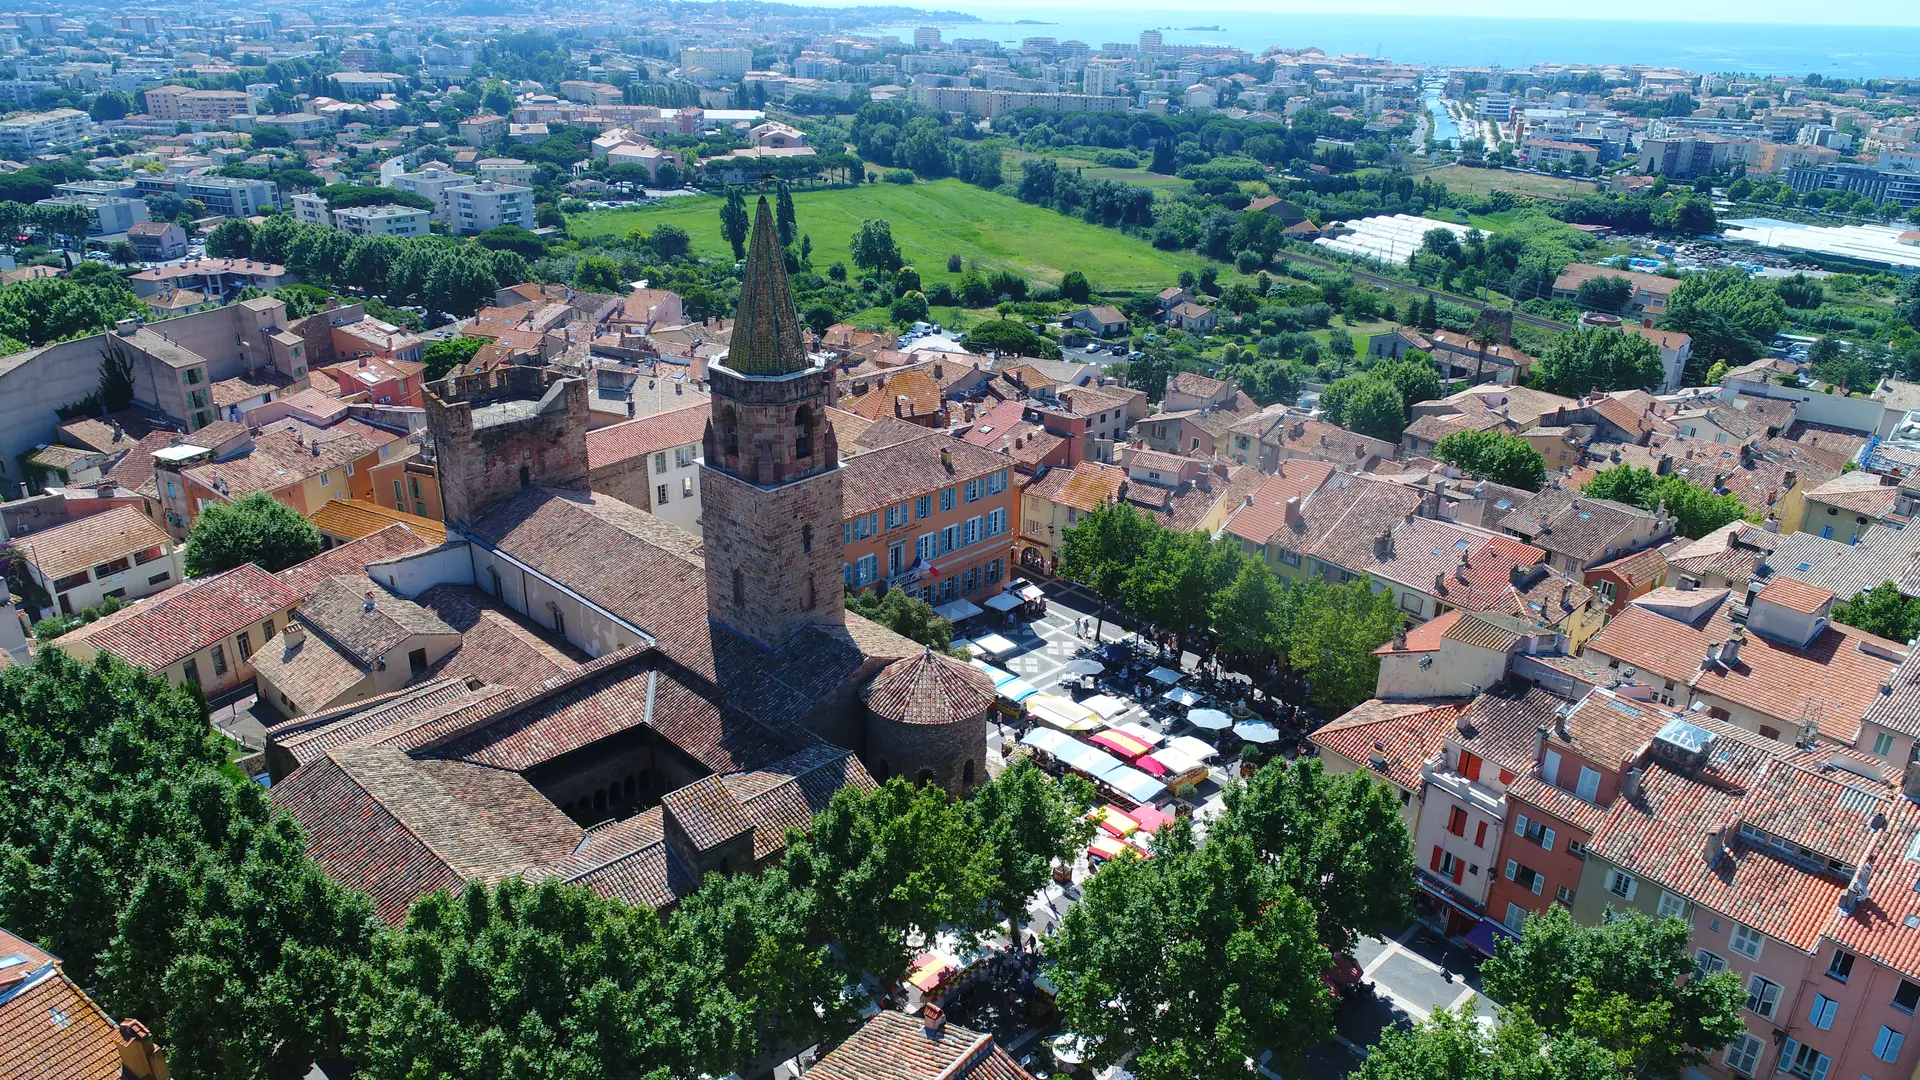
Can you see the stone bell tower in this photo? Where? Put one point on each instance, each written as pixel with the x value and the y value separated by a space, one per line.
pixel 770 485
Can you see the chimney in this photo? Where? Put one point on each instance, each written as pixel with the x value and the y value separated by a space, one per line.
pixel 296 634
pixel 933 1019
pixel 120 433
pixel 1400 639
pixel 1857 888
pixel 1730 651
pixel 1910 783
pixel 1630 784
pixel 315 448
pixel 1539 741
pixel 1646 324
pixel 140 1056
pixel 1566 595
pixel 1293 510
pixel 1517 575
pixel 1664 465
pixel 1249 501
pixel 1716 846
pixel 1439 584
pixel 946 458
pixel 1383 545
pixel 1790 480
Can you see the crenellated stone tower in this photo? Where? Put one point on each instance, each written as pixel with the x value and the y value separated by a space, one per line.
pixel 770 487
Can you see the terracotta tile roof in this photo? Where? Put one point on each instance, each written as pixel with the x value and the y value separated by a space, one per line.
pixel 159 630
pixel 618 443
pixel 1085 487
pixel 1661 835
pixel 894 1046
pixel 1795 595
pixel 1535 795
pixel 894 474
pixel 352 557
pixel 357 519
pixel 398 828
pixel 97 538
pixel 1885 927
pixel 308 737
pixel 1622 415
pixel 1257 521
pixel 990 426
pixel 1394 738
pixel 1869 496
pixel 1500 724
pixel 1637 568
pixel 49 1029
pixel 1833 680
pixel 497 645
pixel 628 861
pixel 908 393
pixel 929 689
pixel 1484 631
pixel 281 458
pixel 135 467
pixel 1607 728
pixel 1195 385
pixel 1424 638
pixel 786 795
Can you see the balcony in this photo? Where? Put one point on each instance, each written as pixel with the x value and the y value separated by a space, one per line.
pixel 1478 796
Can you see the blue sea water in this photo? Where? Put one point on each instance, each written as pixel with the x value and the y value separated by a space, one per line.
pixel 1440 40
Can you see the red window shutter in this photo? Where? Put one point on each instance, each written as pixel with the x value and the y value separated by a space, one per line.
pixel 1480 836
pixel 1457 821
pixel 1436 859
pixel 1459 870
pixel 1469 765
pixel 1505 777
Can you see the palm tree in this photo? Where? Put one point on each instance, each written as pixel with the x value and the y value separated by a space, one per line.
pixel 1483 336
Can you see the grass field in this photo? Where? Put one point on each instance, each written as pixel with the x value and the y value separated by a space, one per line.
pixel 930 222
pixel 1485 181
pixel 1082 158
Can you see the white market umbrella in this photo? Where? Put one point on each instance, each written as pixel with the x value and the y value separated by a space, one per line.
pixel 1084 666
pixel 1210 719
pixel 1257 731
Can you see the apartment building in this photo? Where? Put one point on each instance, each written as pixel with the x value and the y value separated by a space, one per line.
pixel 929 514
pixel 486 205
pixel 484 129
pixel 991 103
pixel 181 103
pixel 205 632
pixel 112 215
pixel 433 182
pixel 229 196
pixel 117 553
pixel 401 221
pixel 37 133
pixel 506 170
pixel 652 463
pixel 298 464
pixel 722 63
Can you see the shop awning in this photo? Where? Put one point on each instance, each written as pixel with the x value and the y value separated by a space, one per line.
pixel 957 610
pixel 1019 690
pixel 1000 676
pixel 1165 675
pixel 1134 784
pixel 1113 820
pixel 1107 847
pixel 1107 705
pixel 1047 740
pixel 1196 749
pixel 1120 743
pixel 1487 935
pixel 1031 592
pixel 1063 713
pixel 1005 601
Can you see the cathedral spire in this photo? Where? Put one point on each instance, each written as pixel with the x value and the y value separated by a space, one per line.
pixel 766 330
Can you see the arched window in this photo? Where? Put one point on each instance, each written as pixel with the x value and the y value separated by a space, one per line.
pixel 739 586
pixel 880 770
pixel 806 538
pixel 600 799
pixel 526 476
pixel 925 777
pixel 803 433
pixel 966 777
pixel 632 785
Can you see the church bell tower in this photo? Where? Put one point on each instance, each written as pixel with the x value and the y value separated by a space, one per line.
pixel 770 487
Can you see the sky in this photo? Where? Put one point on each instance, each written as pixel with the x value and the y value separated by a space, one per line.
pixel 1828 13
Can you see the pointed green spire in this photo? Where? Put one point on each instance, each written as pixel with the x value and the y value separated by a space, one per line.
pixel 766 329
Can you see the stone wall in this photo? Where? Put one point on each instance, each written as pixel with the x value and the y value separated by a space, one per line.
pixel 780 547
pixel 499 431
pixel 940 753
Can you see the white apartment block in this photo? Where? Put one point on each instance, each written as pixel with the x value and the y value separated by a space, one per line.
pixel 389 220
pixel 1103 75
pixel 433 182
pixel 37 133
pixel 485 205
pixel 725 63
pixel 179 103
pixel 229 196
pixel 112 214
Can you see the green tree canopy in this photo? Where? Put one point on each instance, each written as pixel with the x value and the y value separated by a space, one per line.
pixel 1883 611
pixel 1074 287
pixel 1491 455
pixel 46 310
pixel 1198 959
pixel 1101 548
pixel 1590 359
pixel 1029 820
pixel 878 866
pixel 905 614
pixel 164 878
pixel 1609 292
pixel 1367 404
pixel 1729 315
pixel 1696 511
pixel 734 222
pixel 873 247
pixel 1338 841
pixel 1629 984
pixel 254 529
pixel 1011 337
pixel 1452 1044
pixel 544 980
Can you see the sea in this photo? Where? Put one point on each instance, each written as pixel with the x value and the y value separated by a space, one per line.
pixel 1836 51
